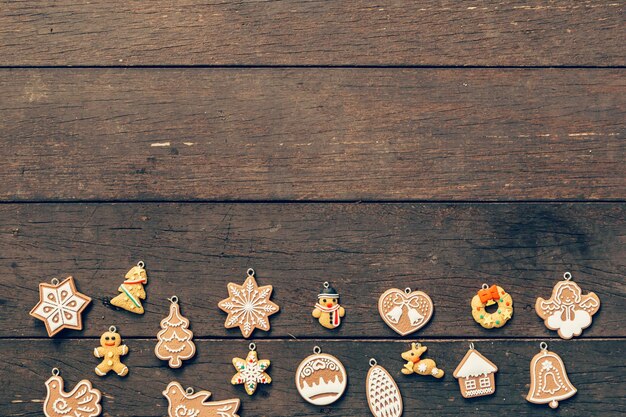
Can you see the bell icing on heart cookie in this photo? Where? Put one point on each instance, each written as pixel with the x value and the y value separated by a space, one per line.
pixel 175 339
pixel 187 403
pixel 131 290
pixel 82 401
pixel 251 371
pixel 382 392
pixel 111 349
pixel 60 306
pixel 567 311
pixel 476 374
pixel 321 379
pixel 328 311
pixel 405 311
pixel 486 297
pixel 416 365
pixel 248 306
pixel 549 383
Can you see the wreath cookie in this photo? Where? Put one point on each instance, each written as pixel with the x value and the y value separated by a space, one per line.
pixel 489 296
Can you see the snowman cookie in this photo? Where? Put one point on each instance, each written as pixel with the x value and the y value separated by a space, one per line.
pixel 328 311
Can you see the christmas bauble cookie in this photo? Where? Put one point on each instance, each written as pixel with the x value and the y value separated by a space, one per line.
pixel 321 378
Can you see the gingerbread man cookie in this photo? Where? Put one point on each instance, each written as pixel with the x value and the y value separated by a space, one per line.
pixel 111 349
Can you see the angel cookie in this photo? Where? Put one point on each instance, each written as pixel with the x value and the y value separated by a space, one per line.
pixel 567 311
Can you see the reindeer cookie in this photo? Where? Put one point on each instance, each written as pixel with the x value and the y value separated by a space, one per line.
pixel 416 365
pixel 111 349
pixel 328 311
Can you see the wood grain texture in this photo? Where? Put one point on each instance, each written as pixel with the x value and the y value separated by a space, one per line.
pixel 595 367
pixel 194 250
pixel 353 32
pixel 310 134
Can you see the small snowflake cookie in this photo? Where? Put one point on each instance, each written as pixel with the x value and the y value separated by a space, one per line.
pixel 251 371
pixel 248 306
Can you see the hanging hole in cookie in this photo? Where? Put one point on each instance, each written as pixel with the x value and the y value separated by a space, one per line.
pixel 54 281
pixel 141 264
pixel 543 346
pixel 317 350
pixel 326 284
pixel 113 329
pixel 471 346
pixel 567 276
pixel 55 371
pixel 250 272
pixel 485 286
pixel 373 362
pixel 189 391
pixel 407 290
pixel 252 346
pixel 173 299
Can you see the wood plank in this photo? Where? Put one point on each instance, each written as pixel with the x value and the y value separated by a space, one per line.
pixel 592 366
pixel 292 134
pixel 194 250
pixel 302 32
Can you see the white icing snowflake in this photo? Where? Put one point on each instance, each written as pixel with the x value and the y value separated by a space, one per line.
pixel 421 367
pixel 248 306
pixel 251 372
pixel 60 306
pixel 546 365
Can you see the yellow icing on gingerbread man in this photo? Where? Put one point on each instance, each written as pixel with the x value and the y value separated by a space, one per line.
pixel 111 349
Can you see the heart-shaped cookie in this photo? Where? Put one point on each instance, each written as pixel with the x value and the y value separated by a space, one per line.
pixel 405 311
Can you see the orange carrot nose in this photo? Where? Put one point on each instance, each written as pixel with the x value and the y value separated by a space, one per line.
pixel 329 305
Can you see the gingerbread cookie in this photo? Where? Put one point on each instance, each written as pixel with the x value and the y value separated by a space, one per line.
pixel 416 365
pixel 549 383
pixel 175 344
pixel 131 290
pixel 82 401
pixel 382 392
pixel 187 403
pixel 489 296
pixel 476 374
pixel 567 311
pixel 248 306
pixel 111 349
pixel 321 379
pixel 405 311
pixel 251 371
pixel 60 306
pixel 328 311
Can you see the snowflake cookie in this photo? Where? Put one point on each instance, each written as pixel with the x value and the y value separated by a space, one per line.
pixel 248 306
pixel 251 371
pixel 60 306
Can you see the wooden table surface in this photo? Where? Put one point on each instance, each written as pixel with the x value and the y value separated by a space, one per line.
pixel 436 145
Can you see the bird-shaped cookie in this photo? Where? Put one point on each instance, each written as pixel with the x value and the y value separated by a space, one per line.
pixel 82 401
pixel 187 404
